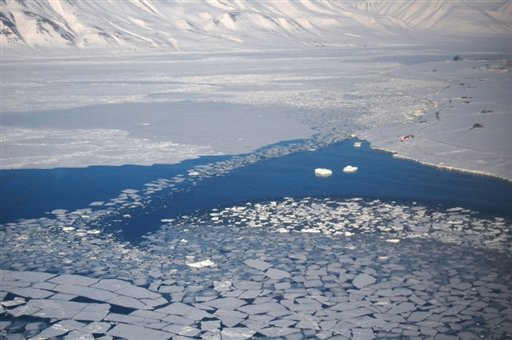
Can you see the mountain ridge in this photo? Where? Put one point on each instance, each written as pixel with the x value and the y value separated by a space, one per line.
pixel 210 25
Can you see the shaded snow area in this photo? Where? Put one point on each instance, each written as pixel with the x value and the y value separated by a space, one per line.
pixel 420 104
pixel 349 267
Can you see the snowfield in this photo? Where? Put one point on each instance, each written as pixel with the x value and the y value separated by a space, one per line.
pixel 466 127
pixel 167 108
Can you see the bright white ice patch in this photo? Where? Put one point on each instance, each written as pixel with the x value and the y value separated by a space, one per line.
pixel 465 122
pixel 48 148
pixel 202 264
pixel 322 172
pixel 349 169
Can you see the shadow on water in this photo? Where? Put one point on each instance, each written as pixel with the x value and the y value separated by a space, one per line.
pixel 30 193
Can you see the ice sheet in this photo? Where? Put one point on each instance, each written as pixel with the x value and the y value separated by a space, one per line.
pixel 163 110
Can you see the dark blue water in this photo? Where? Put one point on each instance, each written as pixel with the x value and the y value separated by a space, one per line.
pixel 33 192
pixel 379 176
pixel 28 193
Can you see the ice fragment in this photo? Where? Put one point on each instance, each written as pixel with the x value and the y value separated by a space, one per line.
pixel 349 169
pixel 322 172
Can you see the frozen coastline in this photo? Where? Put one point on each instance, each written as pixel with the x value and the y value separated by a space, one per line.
pixel 164 109
pixel 466 126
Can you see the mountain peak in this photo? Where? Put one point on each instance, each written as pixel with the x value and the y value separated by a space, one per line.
pixel 41 25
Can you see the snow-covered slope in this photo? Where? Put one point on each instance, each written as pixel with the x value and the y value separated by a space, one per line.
pixel 196 25
pixel 462 17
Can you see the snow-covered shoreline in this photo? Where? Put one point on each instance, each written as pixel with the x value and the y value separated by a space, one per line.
pixel 160 109
pixel 466 128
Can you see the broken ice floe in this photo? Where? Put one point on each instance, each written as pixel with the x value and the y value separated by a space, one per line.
pixel 354 216
pixel 444 276
pixel 117 212
pixel 349 169
pixel 322 172
pixel 200 264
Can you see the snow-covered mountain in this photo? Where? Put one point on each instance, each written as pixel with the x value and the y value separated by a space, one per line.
pixel 203 25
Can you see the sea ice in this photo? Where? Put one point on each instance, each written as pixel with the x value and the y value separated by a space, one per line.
pixel 221 286
pixel 238 333
pixel 136 332
pixel 126 301
pixel 322 172
pixel 262 308
pixel 78 280
pixel 349 169
pixel 362 333
pixel 363 280
pixel 15 302
pixel 226 303
pixel 79 335
pixel 88 292
pixel 96 327
pixel 65 310
pixel 273 332
pixel 185 310
pixel 30 292
pixel 358 282
pixel 183 330
pixel 210 325
pixel 26 276
pixel 277 274
pixel 60 328
pixel 257 264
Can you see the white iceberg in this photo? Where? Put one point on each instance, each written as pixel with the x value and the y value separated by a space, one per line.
pixel 349 169
pixel 322 172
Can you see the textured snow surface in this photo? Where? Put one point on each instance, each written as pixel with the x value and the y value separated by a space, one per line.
pixel 164 108
pixel 372 267
pixel 47 26
pixel 467 121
